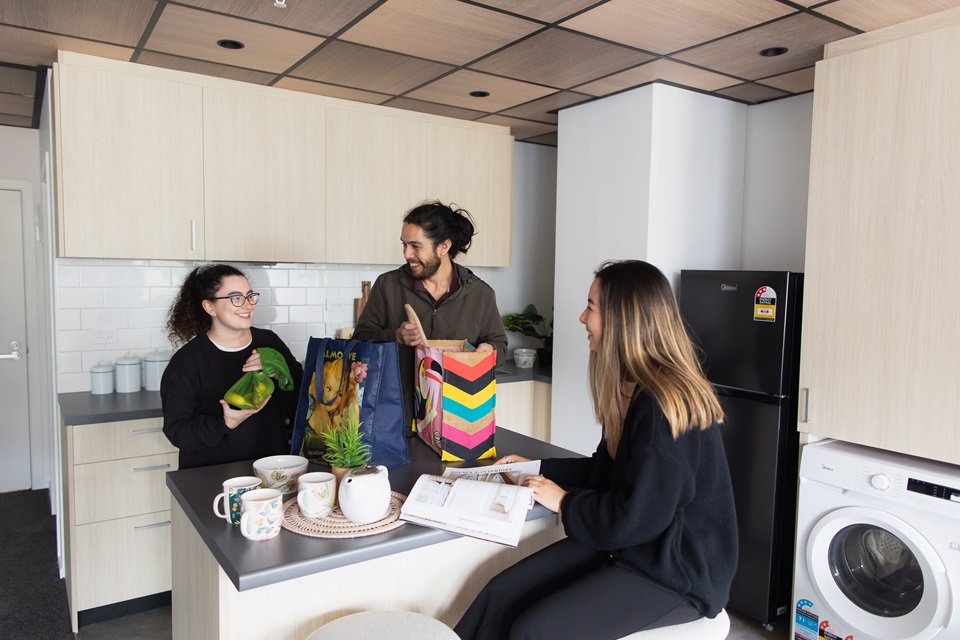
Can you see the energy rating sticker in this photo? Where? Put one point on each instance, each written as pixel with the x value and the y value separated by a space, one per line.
pixel 765 305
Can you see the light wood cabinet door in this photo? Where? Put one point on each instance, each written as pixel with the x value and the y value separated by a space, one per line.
pixel 130 165
pixel 880 351
pixel 264 177
pixel 115 440
pixel 473 168
pixel 121 488
pixel 376 171
pixel 515 407
pixel 542 397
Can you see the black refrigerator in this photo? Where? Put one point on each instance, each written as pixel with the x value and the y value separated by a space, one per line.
pixel 747 324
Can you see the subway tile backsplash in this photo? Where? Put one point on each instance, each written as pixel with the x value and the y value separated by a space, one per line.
pixel 127 301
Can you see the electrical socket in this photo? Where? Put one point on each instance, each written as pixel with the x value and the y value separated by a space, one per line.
pixel 105 336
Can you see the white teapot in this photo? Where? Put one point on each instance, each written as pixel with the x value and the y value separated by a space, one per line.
pixel 364 494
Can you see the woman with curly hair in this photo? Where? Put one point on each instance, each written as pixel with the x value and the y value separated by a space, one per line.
pixel 649 519
pixel 212 319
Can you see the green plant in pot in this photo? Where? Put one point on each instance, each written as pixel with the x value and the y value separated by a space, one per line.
pixel 344 449
pixel 533 325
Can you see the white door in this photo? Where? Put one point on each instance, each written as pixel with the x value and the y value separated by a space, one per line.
pixel 14 416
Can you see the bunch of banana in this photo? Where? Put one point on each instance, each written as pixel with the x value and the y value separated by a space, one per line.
pixel 257 387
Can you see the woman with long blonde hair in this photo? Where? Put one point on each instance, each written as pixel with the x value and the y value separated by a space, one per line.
pixel 649 518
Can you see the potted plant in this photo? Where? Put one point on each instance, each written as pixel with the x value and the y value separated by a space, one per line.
pixel 531 324
pixel 344 449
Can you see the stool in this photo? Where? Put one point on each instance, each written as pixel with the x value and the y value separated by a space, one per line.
pixel 384 625
pixel 703 629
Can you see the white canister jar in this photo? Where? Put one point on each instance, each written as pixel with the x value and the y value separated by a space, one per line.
pixel 101 378
pixel 153 365
pixel 128 374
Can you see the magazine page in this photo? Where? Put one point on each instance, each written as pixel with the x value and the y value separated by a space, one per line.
pixel 512 473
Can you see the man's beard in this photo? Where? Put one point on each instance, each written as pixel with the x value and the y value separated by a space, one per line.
pixel 428 268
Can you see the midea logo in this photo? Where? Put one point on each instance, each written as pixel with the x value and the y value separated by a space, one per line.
pixel 728 287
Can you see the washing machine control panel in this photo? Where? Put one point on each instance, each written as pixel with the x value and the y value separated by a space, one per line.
pixel 933 490
pixel 880 481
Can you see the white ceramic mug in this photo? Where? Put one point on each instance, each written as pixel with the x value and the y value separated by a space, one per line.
pixel 317 493
pixel 232 490
pixel 262 511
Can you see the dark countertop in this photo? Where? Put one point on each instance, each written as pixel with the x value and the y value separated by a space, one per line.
pixel 251 564
pixel 83 407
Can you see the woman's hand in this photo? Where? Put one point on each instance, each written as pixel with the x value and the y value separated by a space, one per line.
pixel 511 459
pixel 546 492
pixel 234 417
pixel 253 362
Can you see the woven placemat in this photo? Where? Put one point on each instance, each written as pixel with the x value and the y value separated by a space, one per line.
pixel 335 525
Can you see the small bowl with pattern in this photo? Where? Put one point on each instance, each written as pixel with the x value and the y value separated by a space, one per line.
pixel 280 472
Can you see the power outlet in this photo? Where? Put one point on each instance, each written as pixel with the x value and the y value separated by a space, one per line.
pixel 105 336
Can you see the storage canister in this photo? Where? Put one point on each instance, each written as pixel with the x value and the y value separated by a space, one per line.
pixel 128 374
pixel 101 378
pixel 153 365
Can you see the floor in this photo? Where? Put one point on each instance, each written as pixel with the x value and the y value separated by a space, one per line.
pixel 155 625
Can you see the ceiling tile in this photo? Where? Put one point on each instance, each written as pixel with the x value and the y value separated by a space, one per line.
pixel 352 65
pixel 739 55
pixel 322 17
pixel 33 48
pixel 545 109
pixel 16 121
pixel 194 34
pixel 16 105
pixel 538 9
pixel 560 58
pixel 204 68
pixel 20 82
pixel 752 93
pixel 664 27
pixel 875 14
pixel 117 21
pixel 521 129
pixel 455 89
pixel 794 82
pixel 330 90
pixel 434 108
pixel 663 69
pixel 549 139
pixel 453 32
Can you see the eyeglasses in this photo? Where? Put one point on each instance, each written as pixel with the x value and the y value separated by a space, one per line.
pixel 237 299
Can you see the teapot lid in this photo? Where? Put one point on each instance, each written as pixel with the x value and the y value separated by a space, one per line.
pixel 364 471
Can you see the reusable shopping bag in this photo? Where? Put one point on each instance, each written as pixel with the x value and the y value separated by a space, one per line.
pixel 254 387
pixel 456 397
pixel 349 382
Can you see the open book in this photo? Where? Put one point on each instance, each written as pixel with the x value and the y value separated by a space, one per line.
pixel 482 502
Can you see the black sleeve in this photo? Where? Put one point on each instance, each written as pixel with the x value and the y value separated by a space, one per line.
pixel 183 424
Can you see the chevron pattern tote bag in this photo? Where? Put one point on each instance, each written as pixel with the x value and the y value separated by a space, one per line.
pixel 456 397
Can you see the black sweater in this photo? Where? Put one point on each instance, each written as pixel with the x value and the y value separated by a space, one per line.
pixel 663 508
pixel 194 382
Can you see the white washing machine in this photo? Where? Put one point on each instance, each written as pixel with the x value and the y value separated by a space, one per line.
pixel 878 546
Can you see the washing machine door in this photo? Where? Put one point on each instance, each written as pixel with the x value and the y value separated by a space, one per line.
pixel 878 574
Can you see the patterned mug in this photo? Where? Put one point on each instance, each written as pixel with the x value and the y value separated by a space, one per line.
pixel 262 511
pixel 230 498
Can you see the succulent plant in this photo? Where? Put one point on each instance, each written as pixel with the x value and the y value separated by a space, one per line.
pixel 344 447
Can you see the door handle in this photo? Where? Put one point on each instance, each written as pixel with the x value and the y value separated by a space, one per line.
pixel 14 355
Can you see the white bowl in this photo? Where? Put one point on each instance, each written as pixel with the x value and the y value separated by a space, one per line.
pixel 524 358
pixel 280 472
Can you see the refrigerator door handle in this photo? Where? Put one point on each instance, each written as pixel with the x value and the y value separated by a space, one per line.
pixel 806 405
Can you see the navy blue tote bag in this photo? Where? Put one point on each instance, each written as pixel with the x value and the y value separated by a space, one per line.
pixel 347 381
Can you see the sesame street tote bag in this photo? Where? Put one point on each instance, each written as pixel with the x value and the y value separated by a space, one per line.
pixel 348 382
pixel 456 397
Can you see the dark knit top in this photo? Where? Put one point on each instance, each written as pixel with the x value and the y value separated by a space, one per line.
pixel 663 508
pixel 193 383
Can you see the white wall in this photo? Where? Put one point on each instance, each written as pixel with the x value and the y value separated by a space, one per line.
pixel 775 189
pixel 654 174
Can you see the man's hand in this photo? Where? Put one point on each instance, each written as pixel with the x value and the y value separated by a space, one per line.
pixel 408 334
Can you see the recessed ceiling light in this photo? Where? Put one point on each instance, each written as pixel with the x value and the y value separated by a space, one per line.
pixel 773 51
pixel 230 44
pixel 479 94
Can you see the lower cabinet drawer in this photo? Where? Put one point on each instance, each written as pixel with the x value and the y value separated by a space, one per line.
pixel 122 559
pixel 122 488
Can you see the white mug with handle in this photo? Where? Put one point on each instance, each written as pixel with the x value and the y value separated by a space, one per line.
pixel 262 513
pixel 318 493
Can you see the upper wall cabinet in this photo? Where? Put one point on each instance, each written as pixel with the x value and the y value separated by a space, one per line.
pixel 880 351
pixel 376 170
pixel 156 163
pixel 264 179
pixel 474 169
pixel 130 159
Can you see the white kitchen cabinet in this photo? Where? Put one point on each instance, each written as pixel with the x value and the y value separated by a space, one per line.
pixel 524 407
pixel 130 163
pixel 117 506
pixel 880 351
pixel 264 176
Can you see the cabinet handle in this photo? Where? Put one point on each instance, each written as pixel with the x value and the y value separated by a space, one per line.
pixel 806 406
pixel 158 467
pixel 156 525
pixel 140 432
pixel 193 235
